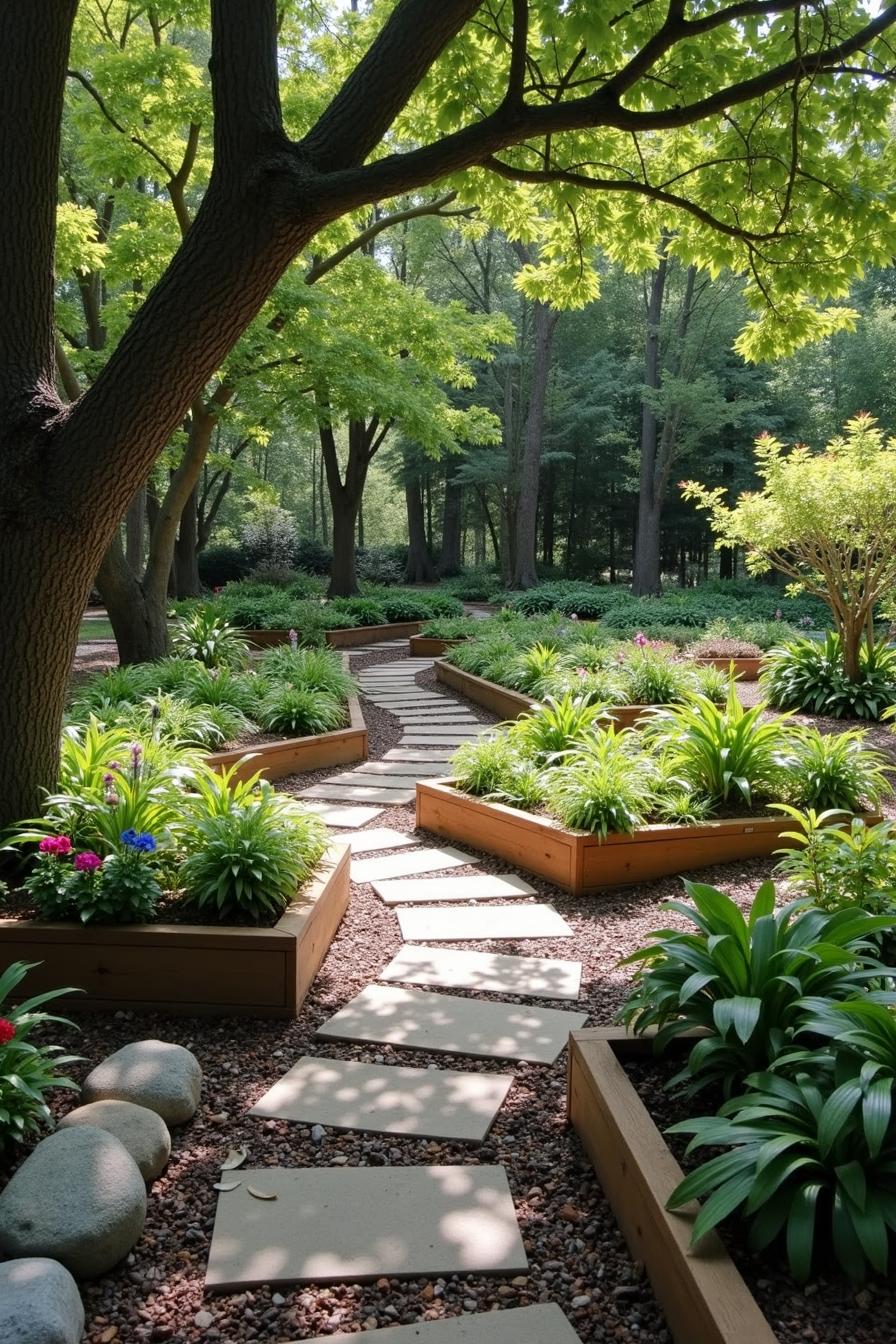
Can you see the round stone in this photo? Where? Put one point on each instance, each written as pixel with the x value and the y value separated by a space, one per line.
pixel 142 1131
pixel 163 1077
pixel 79 1198
pixel 39 1303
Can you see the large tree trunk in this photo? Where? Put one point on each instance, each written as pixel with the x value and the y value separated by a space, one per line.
pixel 138 611
pixel 186 550
pixel 343 571
pixel 451 557
pixel 135 527
pixel 646 566
pixel 419 568
pixel 524 573
pixel 346 494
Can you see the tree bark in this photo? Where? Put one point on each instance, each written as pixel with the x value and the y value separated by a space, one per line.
pixel 135 527
pixel 450 559
pixel 524 572
pixel 419 568
pixel 646 566
pixel 186 550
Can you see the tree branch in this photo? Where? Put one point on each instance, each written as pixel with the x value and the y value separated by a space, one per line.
pixel 123 130
pixel 245 86
pixel 435 207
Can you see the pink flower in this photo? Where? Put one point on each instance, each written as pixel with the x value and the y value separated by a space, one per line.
pixel 573 617
pixel 7 1030
pixel 216 589
pixel 641 640
pixel 293 639
pixel 59 845
pixel 582 672
pixel 87 861
pixel 111 798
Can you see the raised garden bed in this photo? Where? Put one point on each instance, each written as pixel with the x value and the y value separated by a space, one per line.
pixel 704 1297
pixel 428 646
pixel 512 704
pixel 747 669
pixel 189 969
pixel 577 860
pixel 293 755
pixel 337 639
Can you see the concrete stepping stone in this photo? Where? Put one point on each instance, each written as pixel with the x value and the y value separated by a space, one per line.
pixel 414 1019
pixel 387 768
pixel 482 887
pixel 435 755
pixel 386 701
pixel 380 837
pixel 413 738
pixel 383 1099
pixel 426 860
pixel 347 793
pixel 490 972
pixel 421 924
pixel 343 816
pixel 350 1224
pixel 440 720
pixel 405 781
pixel 541 1324
pixel 420 763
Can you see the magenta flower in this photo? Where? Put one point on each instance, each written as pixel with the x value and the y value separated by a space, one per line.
pixel 87 861
pixel 59 845
pixel 641 640
pixel 136 754
pixel 111 798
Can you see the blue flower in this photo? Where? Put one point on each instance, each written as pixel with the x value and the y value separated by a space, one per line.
pixel 142 841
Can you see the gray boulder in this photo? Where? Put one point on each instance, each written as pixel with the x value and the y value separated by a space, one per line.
pixel 143 1132
pixel 164 1078
pixel 39 1303
pixel 79 1198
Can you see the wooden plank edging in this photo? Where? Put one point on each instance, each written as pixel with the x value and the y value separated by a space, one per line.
pixel 337 639
pixel 703 1296
pixel 510 704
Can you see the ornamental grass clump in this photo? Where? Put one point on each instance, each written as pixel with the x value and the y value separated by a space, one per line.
pixel 605 785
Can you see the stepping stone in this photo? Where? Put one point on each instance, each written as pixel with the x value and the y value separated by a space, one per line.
pixel 383 768
pixel 405 865
pixel 413 1019
pixel 446 968
pixel 542 1324
pixel 382 1099
pixel 438 720
pixel 347 1225
pixel 346 793
pixel 457 923
pixel 343 816
pixel 418 890
pixel 420 763
pixel 416 737
pixel 405 781
pixel 436 755
pixel 382 837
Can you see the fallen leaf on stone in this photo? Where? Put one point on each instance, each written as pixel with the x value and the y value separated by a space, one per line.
pixel 226 1185
pixel 235 1158
pixel 259 1194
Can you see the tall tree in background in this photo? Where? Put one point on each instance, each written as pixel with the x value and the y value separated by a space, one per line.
pixel 68 473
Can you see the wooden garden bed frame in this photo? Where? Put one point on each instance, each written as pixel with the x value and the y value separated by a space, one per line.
pixel 338 639
pixel 429 646
pixel 703 1296
pixel 293 755
pixel 189 969
pixel 577 860
pixel 509 704
pixel 747 669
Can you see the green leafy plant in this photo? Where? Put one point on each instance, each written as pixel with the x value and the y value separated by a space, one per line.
pixel 207 637
pixel 496 768
pixel 300 712
pixel 650 677
pixel 724 752
pixel 809 675
pixel 251 856
pixel 125 890
pixel 533 671
pixel 307 669
pixel 27 1069
pixel 743 980
pixel 841 865
pixel 814 1163
pixel 558 725
pixel 837 770
pixel 606 785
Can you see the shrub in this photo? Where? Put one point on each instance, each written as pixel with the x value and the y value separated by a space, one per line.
pixel 28 1070
pixel 496 768
pixel 249 857
pixel 270 538
pixel 836 770
pixel 744 981
pixel 808 675
pixel 814 1164
pixel 300 712
pixel 206 637
pixel 555 728
pixel 606 785
pixel 220 564
pixel 381 564
pixel 720 753
pixel 474 585
pixel 724 648
pixel 840 865
pixel 307 669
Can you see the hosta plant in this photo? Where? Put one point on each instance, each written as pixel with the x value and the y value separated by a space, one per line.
pixel 809 675
pixel 811 1161
pixel 28 1068
pixel 742 979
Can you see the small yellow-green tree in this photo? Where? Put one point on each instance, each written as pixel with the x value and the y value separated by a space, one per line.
pixel 827 520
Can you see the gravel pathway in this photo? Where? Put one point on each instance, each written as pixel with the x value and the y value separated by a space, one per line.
pixel 577 1257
